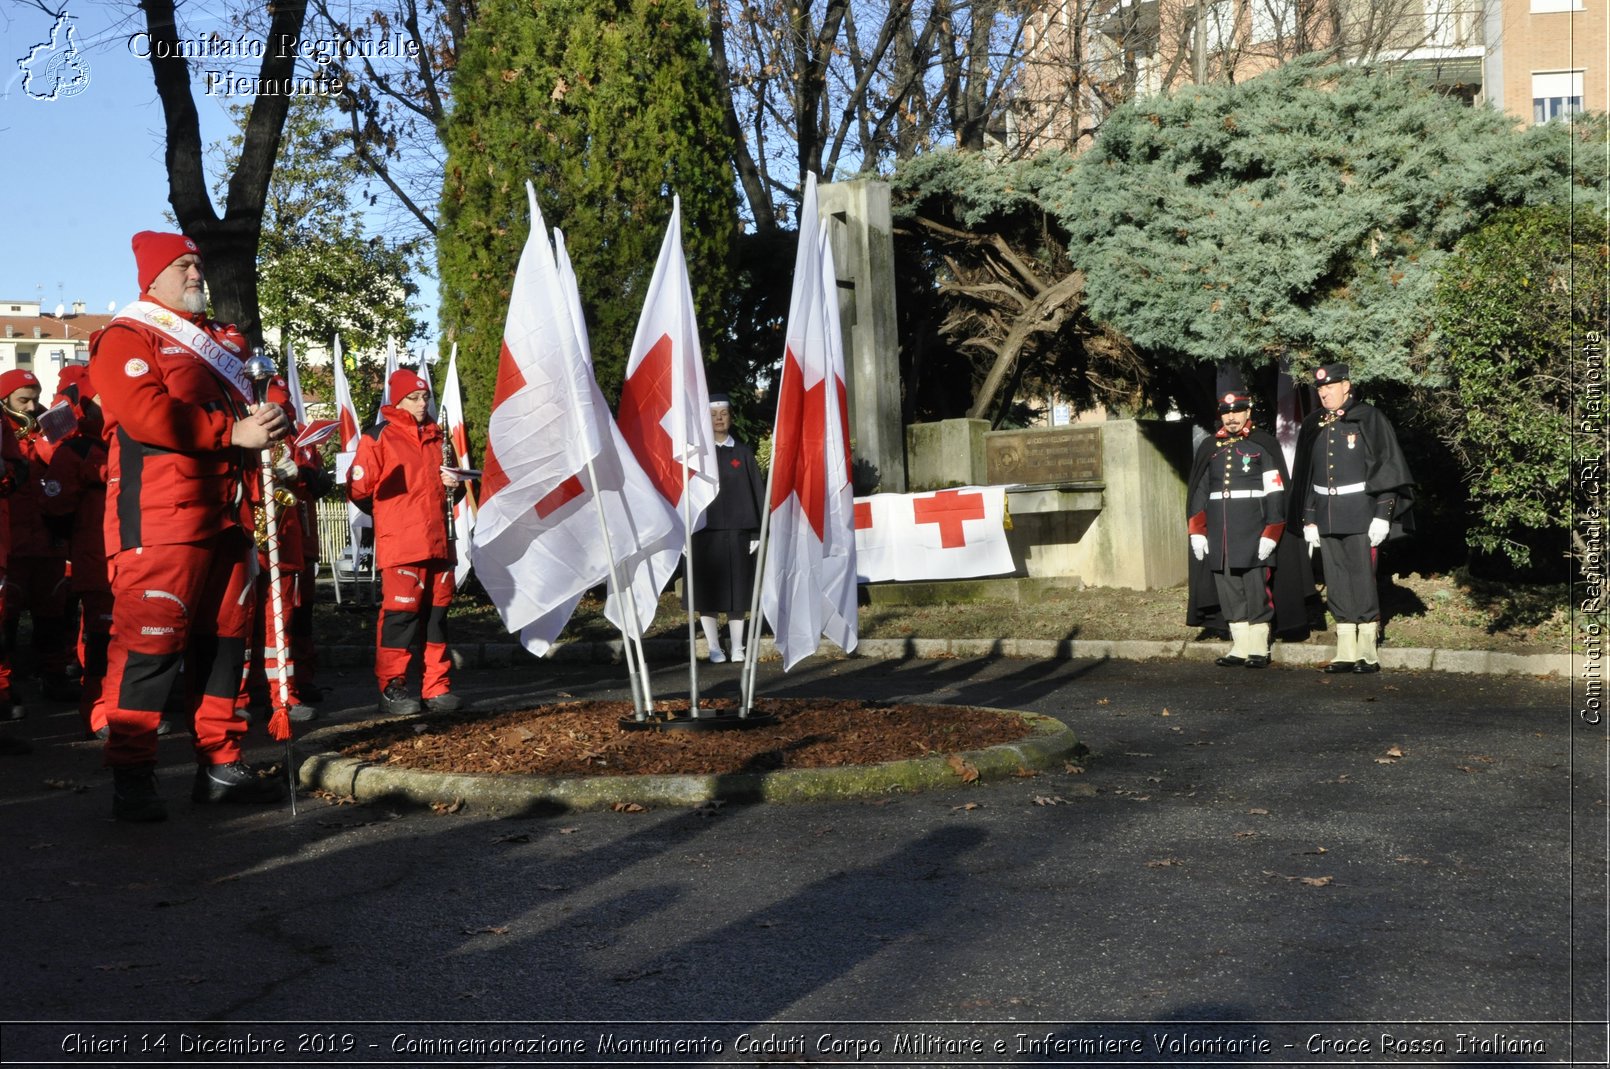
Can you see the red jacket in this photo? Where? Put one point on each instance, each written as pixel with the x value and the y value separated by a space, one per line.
pixel 397 478
pixel 75 486
pixel 31 534
pixel 172 474
pixel 13 473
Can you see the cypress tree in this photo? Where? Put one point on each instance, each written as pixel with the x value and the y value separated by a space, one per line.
pixel 609 107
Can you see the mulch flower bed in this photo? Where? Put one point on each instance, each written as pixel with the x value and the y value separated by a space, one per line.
pixel 584 738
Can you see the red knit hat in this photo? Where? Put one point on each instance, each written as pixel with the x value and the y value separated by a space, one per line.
pixel 16 379
pixel 74 385
pixel 154 251
pixel 404 382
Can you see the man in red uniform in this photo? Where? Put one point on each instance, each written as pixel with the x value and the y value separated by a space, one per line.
pixel 73 490
pixel 13 472
pixel 38 546
pixel 398 478
pixel 183 443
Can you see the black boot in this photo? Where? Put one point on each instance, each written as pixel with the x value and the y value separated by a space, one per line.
pixel 394 699
pixel 134 795
pixel 234 783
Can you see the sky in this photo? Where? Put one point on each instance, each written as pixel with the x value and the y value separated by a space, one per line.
pixel 86 142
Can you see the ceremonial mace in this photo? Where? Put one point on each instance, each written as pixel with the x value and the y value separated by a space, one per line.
pixel 260 369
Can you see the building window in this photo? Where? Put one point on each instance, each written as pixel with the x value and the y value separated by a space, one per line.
pixel 1545 7
pixel 25 358
pixel 1273 20
pixel 1556 95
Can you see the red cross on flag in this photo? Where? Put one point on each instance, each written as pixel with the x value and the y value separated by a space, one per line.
pixel 808 587
pixel 664 412
pixel 948 534
pixel 564 504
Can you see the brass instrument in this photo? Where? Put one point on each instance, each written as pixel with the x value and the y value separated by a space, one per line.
pixel 283 497
pixel 26 426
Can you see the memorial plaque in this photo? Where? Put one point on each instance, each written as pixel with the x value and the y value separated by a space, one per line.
pixel 1061 456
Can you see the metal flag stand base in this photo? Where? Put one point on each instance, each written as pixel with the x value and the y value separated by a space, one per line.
pixel 703 720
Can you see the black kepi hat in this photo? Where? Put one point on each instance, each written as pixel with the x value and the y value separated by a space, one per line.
pixel 1232 389
pixel 1327 373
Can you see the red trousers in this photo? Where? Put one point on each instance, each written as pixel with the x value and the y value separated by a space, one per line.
pixel 180 618
pixel 94 636
pixel 38 585
pixel 407 592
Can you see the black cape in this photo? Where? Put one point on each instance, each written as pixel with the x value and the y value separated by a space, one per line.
pixel 1293 576
pixel 1389 471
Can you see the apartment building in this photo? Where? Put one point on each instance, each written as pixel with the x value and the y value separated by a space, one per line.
pixel 42 342
pixel 1534 59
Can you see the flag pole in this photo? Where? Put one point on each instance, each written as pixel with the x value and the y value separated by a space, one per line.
pixel 752 634
pixel 687 559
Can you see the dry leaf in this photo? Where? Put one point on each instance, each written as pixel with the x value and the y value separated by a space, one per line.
pixel 1259 812
pixel 66 785
pixel 965 769
pixel 1025 773
pixel 1316 851
pixel 966 807
pixel 1246 835
pixel 1386 761
pixel 568 831
pixel 1073 769
pixel 1136 753
pixel 516 837
pixel 1103 701
pixel 487 929
pixel 1315 881
pixel 1393 751
pixel 1467 768
pixel 1405 859
pixel 1053 799
pixel 1164 862
pixel 627 807
pixel 1166 712
pixel 448 807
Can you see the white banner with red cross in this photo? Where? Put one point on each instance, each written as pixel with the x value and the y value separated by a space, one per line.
pixel 946 534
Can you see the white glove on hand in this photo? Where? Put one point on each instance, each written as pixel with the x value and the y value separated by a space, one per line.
pixel 1266 546
pixel 1378 531
pixel 285 469
pixel 1199 546
pixel 1311 534
pixel 754 544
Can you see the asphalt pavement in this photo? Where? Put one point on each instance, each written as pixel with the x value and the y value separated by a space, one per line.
pixel 1276 867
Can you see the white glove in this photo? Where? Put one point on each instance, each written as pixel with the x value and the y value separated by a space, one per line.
pixel 1311 534
pixel 1266 546
pixel 1199 546
pixel 285 469
pixel 1378 531
pixel 754 544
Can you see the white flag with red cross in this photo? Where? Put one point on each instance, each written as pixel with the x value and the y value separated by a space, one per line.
pixel 451 417
pixel 947 534
pixel 664 411
pixel 538 544
pixel 802 582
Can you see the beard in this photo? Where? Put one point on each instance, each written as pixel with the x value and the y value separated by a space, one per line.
pixel 194 301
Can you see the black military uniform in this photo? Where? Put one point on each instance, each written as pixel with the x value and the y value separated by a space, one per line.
pixel 1356 492
pixel 723 564
pixel 1236 508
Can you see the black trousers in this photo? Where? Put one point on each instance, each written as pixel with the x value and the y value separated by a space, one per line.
pixel 1244 595
pixel 1350 590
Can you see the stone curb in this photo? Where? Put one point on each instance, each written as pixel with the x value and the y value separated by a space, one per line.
pixel 1050 741
pixel 1467 662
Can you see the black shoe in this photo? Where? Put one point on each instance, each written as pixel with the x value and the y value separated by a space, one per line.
pixel 1365 668
pixel 1258 660
pixel 11 746
pixel 134 795
pixel 301 714
pixel 1230 660
pixel 444 703
pixel 234 783
pixel 10 710
pixel 60 689
pixel 1337 667
pixel 164 726
pixel 100 734
pixel 394 700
